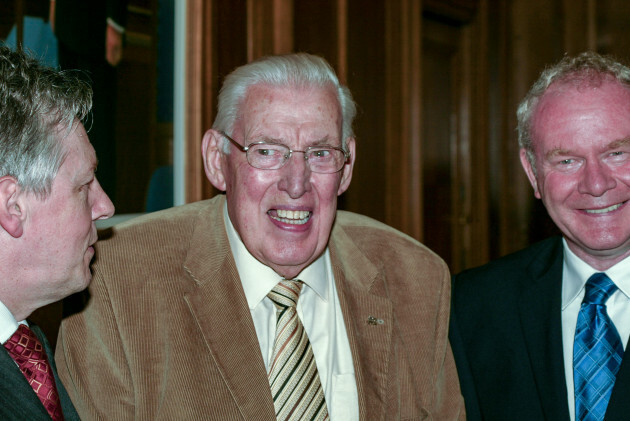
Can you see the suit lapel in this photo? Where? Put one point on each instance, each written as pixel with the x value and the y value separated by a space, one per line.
pixel 541 323
pixel 69 412
pixel 217 304
pixel 368 317
pixel 17 397
pixel 619 404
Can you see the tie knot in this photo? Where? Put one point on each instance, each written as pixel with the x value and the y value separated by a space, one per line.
pixel 598 289
pixel 286 293
pixel 24 343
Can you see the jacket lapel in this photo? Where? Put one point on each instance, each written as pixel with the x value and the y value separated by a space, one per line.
pixel 217 304
pixel 69 412
pixel 17 398
pixel 368 317
pixel 619 404
pixel 541 323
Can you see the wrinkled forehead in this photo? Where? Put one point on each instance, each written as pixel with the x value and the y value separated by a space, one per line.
pixel 266 105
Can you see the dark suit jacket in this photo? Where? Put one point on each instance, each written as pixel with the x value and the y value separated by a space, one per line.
pixel 506 335
pixel 18 401
pixel 80 24
pixel 168 335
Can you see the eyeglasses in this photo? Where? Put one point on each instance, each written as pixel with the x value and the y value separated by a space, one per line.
pixel 272 156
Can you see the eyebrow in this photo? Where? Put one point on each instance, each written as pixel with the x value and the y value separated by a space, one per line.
pixel 619 143
pixel 324 141
pixel 557 152
pixel 615 144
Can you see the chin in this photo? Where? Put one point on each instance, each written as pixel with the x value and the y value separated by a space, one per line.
pixel 81 282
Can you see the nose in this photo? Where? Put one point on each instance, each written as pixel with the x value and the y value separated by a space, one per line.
pixel 102 206
pixel 295 176
pixel 597 179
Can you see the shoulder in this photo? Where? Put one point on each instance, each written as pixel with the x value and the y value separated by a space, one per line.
pixel 386 247
pixel 516 264
pixel 177 220
pixel 370 235
pixel 503 280
pixel 163 233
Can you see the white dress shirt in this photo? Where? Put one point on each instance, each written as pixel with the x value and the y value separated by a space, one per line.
pixel 575 273
pixel 8 325
pixel 320 312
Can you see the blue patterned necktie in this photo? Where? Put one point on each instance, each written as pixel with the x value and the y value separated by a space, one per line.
pixel 597 351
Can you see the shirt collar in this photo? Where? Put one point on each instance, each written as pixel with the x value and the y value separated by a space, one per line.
pixel 8 324
pixel 576 272
pixel 258 279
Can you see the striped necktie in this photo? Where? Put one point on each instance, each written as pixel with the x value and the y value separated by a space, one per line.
pixel 597 351
pixel 295 385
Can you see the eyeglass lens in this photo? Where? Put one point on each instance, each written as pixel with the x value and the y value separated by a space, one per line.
pixel 274 156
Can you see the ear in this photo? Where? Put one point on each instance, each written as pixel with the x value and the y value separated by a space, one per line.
pixel 212 153
pixel 346 175
pixel 11 211
pixel 529 170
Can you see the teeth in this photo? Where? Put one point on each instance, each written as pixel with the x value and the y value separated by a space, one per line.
pixel 291 217
pixel 608 209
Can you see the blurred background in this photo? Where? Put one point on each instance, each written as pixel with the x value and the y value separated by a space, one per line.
pixel 436 81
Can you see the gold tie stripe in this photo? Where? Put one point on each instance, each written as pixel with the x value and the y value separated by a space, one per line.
pixel 295 386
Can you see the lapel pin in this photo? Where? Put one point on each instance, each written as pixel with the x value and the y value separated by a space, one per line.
pixel 374 321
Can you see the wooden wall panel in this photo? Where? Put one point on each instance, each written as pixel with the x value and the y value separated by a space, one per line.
pixel 366 80
pixel 199 92
pixel 441 59
pixel 316 29
pixel 231 32
pixel 454 145
pixel 612 27
pixel 579 14
pixel 473 150
pixel 403 114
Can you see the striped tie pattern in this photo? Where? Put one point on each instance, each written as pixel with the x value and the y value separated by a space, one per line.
pixel 597 351
pixel 295 385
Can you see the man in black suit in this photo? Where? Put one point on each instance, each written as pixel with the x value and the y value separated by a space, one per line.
pixel 90 38
pixel 49 200
pixel 536 336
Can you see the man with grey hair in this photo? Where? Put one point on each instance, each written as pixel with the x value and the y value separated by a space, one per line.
pixel 266 302
pixel 49 200
pixel 541 333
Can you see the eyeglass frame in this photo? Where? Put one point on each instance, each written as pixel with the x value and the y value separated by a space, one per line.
pixel 244 149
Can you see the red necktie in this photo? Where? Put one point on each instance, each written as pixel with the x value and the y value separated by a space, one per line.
pixel 29 354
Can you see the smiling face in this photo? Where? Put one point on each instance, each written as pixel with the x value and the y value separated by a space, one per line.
pixel 581 141
pixel 59 229
pixel 283 216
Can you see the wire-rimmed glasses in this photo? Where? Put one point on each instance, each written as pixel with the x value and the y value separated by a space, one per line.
pixel 272 156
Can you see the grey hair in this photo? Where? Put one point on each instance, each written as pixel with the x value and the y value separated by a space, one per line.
pixel 38 104
pixel 293 70
pixel 588 67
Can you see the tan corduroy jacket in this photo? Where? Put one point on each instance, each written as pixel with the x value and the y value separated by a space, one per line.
pixel 167 333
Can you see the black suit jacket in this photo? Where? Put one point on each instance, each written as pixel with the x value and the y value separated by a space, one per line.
pixel 18 401
pixel 506 336
pixel 80 24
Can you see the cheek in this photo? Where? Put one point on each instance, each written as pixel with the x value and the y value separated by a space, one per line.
pixel 556 188
pixel 327 187
pixel 623 174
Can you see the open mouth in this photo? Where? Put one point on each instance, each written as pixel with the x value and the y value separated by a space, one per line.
pixel 293 217
pixel 605 210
